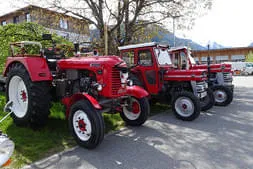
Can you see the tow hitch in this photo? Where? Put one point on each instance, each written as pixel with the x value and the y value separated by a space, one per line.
pixel 8 109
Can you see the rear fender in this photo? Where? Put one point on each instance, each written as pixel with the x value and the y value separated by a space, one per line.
pixel 69 101
pixel 36 67
pixel 137 91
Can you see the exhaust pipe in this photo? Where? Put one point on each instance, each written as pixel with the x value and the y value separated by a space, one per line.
pixel 208 65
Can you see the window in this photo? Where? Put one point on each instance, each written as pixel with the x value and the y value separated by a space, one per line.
pixel 163 57
pixel 145 58
pixel 176 60
pixel 3 23
pixel 63 24
pixel 15 19
pixel 183 60
pixel 128 57
pixel 28 17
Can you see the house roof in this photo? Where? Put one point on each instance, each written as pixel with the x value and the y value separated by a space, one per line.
pixel 37 7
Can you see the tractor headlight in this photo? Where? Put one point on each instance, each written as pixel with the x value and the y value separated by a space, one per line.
pixel 99 87
pixel 130 82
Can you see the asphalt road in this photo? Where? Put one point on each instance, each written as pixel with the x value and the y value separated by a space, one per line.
pixel 221 138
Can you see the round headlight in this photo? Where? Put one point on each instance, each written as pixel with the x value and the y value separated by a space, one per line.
pixel 99 87
pixel 130 82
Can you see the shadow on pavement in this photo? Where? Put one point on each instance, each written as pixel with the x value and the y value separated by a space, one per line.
pixel 220 138
pixel 128 148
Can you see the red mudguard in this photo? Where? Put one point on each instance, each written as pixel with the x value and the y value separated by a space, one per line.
pixel 36 67
pixel 69 101
pixel 137 91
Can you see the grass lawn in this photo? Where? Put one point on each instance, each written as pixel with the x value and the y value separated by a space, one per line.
pixel 33 145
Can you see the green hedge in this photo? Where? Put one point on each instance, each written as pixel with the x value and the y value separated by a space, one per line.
pixel 25 32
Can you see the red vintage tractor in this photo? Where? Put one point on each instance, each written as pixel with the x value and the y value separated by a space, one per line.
pixel 220 75
pixel 153 69
pixel 86 86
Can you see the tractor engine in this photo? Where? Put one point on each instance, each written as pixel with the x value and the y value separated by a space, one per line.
pixel 105 77
pixel 75 81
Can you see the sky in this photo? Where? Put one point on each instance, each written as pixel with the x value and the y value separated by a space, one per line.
pixel 228 23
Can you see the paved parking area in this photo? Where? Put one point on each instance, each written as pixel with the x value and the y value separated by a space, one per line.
pixel 220 138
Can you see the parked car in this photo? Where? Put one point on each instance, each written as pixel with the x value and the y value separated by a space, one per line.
pixel 248 68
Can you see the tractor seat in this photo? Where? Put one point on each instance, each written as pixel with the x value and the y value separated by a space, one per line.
pixel 52 55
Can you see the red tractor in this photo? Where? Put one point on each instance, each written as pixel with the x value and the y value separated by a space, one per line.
pixel 86 86
pixel 153 69
pixel 220 75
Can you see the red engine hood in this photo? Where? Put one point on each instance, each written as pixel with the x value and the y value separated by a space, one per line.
pixel 214 67
pixel 186 75
pixel 91 61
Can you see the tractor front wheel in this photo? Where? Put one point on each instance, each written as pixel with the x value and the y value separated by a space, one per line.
pixel 186 106
pixel 207 102
pixel 86 124
pixel 31 100
pixel 222 95
pixel 136 112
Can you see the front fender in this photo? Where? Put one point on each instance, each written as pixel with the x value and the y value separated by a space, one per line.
pixel 69 101
pixel 136 91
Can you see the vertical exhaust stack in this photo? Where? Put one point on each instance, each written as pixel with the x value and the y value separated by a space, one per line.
pixel 77 51
pixel 208 64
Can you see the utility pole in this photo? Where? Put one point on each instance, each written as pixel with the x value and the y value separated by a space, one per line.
pixel 106 38
pixel 174 29
pixel 174 40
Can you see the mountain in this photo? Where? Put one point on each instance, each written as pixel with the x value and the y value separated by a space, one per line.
pixel 251 45
pixel 166 36
pixel 215 45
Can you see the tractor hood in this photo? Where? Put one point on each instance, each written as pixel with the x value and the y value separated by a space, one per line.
pixel 214 67
pixel 186 75
pixel 91 61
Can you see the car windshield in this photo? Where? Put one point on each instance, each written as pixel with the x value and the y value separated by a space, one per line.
pixel 193 62
pixel 163 56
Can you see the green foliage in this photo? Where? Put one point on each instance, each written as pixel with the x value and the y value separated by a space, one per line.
pixel 249 57
pixel 25 32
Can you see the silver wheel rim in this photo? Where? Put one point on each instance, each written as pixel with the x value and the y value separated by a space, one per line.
pixel 131 115
pixel 19 96
pixel 220 96
pixel 184 106
pixel 82 125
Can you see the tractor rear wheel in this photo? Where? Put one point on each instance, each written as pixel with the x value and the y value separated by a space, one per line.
pixel 207 102
pixel 86 124
pixel 186 106
pixel 137 112
pixel 31 100
pixel 222 95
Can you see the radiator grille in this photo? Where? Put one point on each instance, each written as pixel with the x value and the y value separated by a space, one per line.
pixel 227 77
pixel 116 83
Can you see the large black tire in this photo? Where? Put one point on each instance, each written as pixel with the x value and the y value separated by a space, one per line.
pixel 86 124
pixel 186 106
pixel 138 113
pixel 31 100
pixel 207 102
pixel 223 96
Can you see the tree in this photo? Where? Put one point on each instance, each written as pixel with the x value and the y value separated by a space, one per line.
pixel 249 57
pixel 132 15
pixel 24 32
